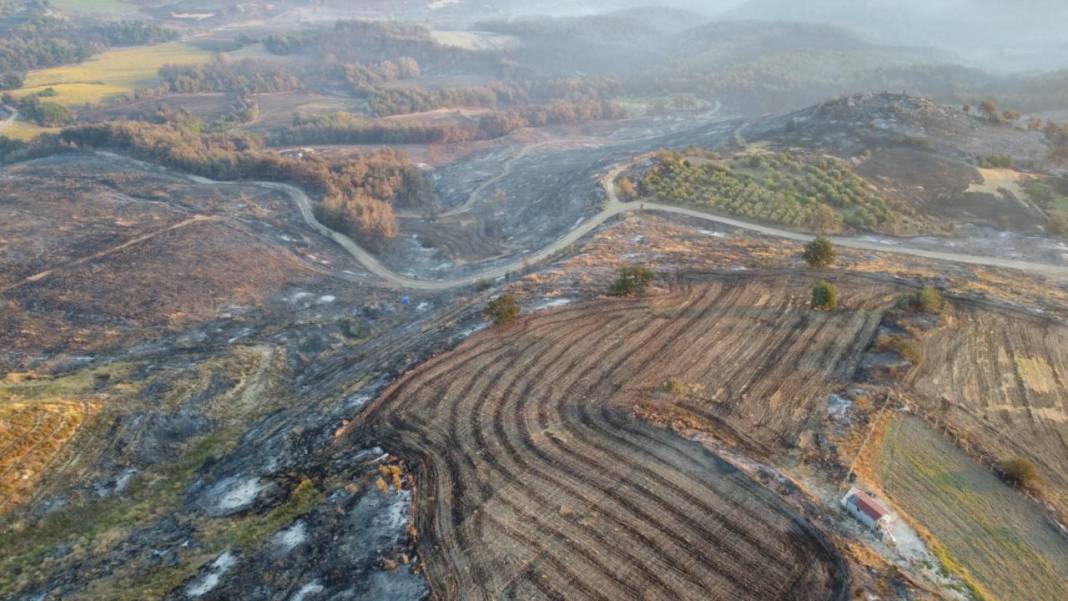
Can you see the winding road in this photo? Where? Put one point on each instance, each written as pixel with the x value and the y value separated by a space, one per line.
pixel 612 208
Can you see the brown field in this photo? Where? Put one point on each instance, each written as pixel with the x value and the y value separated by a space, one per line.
pixel 527 450
pixel 1006 379
pixel 104 252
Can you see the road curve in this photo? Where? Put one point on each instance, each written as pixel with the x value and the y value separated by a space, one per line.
pixel 612 208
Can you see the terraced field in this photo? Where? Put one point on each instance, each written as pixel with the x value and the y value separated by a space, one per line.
pixel 1003 541
pixel 1005 378
pixel 535 480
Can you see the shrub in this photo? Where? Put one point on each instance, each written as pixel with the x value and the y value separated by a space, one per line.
pixel 503 310
pixel 631 280
pixel 905 348
pixel 483 284
pixel 995 161
pixel 673 387
pixel 820 252
pixel 824 296
pixel 1058 223
pixel 1020 472
pixel 927 300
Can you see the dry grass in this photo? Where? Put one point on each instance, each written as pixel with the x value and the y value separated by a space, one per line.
pixel 31 435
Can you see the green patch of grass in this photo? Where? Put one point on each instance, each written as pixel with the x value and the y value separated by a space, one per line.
pixel 254 530
pixel 997 541
pixel 64 387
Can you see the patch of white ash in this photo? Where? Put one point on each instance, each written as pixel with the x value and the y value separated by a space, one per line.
pixel 289 538
pixel 241 495
pixel 213 576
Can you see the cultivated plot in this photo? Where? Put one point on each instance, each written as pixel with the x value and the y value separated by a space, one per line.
pixel 537 480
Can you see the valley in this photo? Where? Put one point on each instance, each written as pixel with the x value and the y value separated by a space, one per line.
pixel 407 301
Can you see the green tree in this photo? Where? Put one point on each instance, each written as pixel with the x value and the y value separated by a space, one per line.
pixel 631 280
pixel 824 296
pixel 503 310
pixel 820 252
pixel 929 300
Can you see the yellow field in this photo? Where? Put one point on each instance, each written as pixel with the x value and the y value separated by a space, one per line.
pixel 21 130
pixel 110 74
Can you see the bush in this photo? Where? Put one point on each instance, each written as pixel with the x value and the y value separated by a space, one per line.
pixel 995 161
pixel 820 252
pixel 1020 472
pixel 1058 223
pixel 503 310
pixel 632 279
pixel 824 296
pixel 927 300
pixel 673 387
pixel 905 348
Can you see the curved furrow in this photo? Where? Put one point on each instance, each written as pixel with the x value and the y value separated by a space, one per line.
pixel 512 425
pixel 657 480
pixel 469 349
pixel 646 495
pixel 556 481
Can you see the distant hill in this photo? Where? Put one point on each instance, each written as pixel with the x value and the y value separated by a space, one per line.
pixel 1024 34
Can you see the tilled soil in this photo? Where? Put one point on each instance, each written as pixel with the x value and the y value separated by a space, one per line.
pixel 535 480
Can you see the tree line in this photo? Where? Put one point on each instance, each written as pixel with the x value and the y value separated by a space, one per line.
pixel 344 128
pixel 357 192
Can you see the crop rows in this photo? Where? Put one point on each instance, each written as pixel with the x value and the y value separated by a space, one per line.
pixel 536 481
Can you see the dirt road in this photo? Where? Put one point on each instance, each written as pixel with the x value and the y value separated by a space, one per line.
pixel 132 242
pixel 614 207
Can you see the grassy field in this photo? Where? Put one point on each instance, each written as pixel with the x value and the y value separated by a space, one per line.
pixel 110 74
pixel 999 538
pixel 101 8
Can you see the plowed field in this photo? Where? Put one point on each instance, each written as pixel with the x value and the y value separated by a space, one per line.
pixel 1006 380
pixel 536 481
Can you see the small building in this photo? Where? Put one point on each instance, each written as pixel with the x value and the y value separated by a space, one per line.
pixel 866 509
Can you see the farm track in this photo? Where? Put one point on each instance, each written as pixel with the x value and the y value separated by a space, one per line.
pixel 526 452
